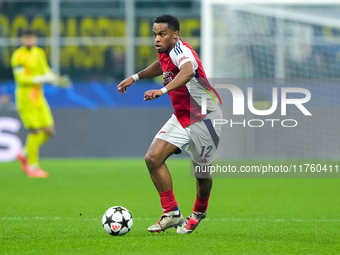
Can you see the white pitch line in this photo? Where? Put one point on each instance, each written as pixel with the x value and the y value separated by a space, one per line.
pixel 147 219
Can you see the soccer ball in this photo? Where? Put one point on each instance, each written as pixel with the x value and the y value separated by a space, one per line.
pixel 117 221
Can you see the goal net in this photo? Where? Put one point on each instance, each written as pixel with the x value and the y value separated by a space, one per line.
pixel 266 44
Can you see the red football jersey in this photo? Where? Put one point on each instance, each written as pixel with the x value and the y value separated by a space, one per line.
pixel 186 100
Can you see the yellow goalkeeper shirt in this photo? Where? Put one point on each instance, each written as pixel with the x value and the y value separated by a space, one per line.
pixel 27 63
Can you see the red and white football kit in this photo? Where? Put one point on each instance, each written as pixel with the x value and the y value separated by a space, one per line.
pixel 188 126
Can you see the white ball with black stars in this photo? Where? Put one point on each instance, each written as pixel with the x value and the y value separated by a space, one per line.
pixel 117 221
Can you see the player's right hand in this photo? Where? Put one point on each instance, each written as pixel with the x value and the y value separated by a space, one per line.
pixel 123 85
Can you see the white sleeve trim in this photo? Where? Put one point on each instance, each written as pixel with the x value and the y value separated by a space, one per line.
pixel 181 55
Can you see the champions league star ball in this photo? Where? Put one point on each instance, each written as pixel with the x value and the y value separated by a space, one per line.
pixel 117 221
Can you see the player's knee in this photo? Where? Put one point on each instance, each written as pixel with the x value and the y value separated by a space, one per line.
pixel 204 179
pixel 152 161
pixel 33 131
pixel 49 131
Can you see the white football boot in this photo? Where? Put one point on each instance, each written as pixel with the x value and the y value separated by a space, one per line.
pixel 168 220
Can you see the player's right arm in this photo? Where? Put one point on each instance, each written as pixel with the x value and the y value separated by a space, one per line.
pixel 151 71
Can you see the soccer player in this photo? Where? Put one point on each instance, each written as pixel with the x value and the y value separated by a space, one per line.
pixel 30 71
pixel 185 81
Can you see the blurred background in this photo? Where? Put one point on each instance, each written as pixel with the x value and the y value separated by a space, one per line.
pixel 99 43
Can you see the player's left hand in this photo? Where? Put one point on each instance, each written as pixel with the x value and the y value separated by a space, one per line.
pixel 152 94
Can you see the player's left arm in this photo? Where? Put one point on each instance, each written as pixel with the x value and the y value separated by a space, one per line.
pixel 187 71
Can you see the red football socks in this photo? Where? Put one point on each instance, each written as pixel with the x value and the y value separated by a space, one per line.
pixel 201 204
pixel 168 201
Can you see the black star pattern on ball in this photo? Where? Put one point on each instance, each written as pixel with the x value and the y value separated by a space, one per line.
pixel 118 209
pixel 114 233
pixel 124 223
pixel 109 220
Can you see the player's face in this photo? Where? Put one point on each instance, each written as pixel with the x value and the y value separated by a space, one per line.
pixel 165 38
pixel 29 41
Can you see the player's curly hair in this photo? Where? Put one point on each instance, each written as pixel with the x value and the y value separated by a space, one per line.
pixel 172 21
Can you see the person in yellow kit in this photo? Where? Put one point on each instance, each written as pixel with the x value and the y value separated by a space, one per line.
pixel 31 71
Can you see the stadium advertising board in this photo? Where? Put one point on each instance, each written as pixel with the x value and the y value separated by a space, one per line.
pixel 10 143
pixel 92 47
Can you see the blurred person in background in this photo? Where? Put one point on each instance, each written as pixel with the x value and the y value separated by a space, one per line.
pixel 31 71
pixel 6 103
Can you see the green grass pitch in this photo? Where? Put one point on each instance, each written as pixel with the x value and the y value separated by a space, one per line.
pixel 62 214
